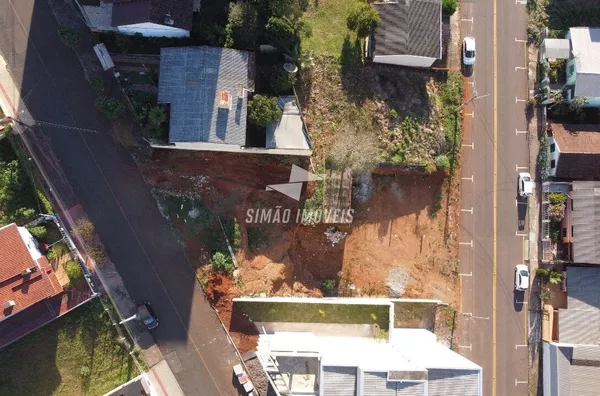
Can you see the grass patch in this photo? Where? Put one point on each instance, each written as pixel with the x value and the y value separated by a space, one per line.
pixel 450 99
pixel 74 272
pixel 257 239
pixel 78 354
pixel 328 22
pixel 316 313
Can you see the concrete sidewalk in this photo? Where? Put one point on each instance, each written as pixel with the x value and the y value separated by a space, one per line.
pixel 104 276
pixel 158 381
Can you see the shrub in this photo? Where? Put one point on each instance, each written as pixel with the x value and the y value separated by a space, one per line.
pixel 556 212
pixel 281 80
pixel 240 31
pixel 85 371
pixel 211 33
pixel 73 270
pixel 111 108
pixel 85 229
pixel 97 83
pixel 393 114
pixel 69 36
pixel 557 198
pixel 555 277
pixel 222 263
pixel 363 19
pixel 97 253
pixel 542 272
pixel 39 232
pixel 263 110
pixel 156 122
pixel 237 235
pixel 328 286
pixel 543 161
pixel 554 230
pixel 430 168
pixel 442 162
pixel 449 7
pixel 280 33
pixel 545 295
pixel 351 150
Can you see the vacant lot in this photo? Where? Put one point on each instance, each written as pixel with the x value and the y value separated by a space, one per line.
pixel 78 354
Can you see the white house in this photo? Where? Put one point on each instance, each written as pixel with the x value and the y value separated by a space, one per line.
pixel 411 362
pixel 409 33
pixel 581 48
pixel 150 18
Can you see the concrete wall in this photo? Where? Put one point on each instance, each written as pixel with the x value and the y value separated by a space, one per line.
pixel 149 29
pixel 404 60
pixel 231 148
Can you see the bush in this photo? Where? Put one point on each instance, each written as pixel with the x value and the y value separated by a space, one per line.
pixel 222 263
pixel 393 114
pixel 328 286
pixel 556 212
pixel 554 230
pixel 442 162
pixel 237 235
pixel 557 198
pixel 351 150
pixel 156 123
pixel 39 232
pixel 555 277
pixel 449 7
pixel 542 272
pixel 280 33
pixel 281 80
pixel 543 161
pixel 97 253
pixel 363 19
pixel 111 108
pixel 69 36
pixel 241 29
pixel 263 110
pixel 97 83
pixel 211 33
pixel 74 271
pixel 85 229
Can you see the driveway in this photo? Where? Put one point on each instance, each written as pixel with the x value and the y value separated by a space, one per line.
pixel 494 229
pixel 92 170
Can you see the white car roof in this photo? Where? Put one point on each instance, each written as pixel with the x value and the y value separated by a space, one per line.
pixel 470 43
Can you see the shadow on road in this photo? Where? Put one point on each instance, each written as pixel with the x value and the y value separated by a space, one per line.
pixel 519 300
pixel 521 212
pixel 467 71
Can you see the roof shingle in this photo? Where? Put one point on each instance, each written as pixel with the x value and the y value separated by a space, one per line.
pixel 579 146
pixel 128 12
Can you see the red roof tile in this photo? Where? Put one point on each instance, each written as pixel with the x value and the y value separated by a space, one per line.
pixel 24 290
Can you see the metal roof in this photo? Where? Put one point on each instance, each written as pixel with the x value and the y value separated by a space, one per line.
pixel 557 48
pixel 192 80
pixel 580 323
pixel 409 27
pixel 585 47
pixel 586 222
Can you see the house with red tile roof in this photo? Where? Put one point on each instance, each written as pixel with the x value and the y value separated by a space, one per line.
pixel 26 275
pixel 574 151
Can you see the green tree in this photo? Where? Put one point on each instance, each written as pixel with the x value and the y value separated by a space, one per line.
pixel 39 232
pixel 156 122
pixel 241 29
pixel 557 198
pixel 363 19
pixel 291 9
pixel 69 36
pixel 442 162
pixel 449 7
pixel 222 263
pixel 281 80
pixel 263 110
pixel 280 33
pixel 111 108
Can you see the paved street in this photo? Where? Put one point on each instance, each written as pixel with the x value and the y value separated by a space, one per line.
pixel 494 232
pixel 101 176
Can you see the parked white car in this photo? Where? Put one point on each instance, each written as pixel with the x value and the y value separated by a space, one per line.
pixel 468 51
pixel 521 277
pixel 525 185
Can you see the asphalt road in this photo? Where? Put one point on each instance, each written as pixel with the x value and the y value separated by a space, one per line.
pixel 106 182
pixel 494 226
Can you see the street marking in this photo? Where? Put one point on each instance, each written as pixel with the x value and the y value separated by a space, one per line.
pixel 467 210
pixel 521 167
pixel 470 315
pixel 517 132
pixel 521 2
pixel 495 199
pixel 468 178
pixel 472 114
pixel 520 41
pixel 466 243
pixel 469 274
pixel 471 83
pixel 520 382
pixel 520 346
pixel 472 145
pixel 521 235
pixel 468 20
pixel 466 347
pixel 517 68
pixel 520 203
pixel 517 100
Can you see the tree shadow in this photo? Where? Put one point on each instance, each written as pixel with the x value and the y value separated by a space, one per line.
pixel 351 54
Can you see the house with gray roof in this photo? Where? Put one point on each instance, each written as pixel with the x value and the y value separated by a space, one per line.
pixel 409 33
pixel 581 49
pixel 410 362
pixel 571 364
pixel 207 90
pixel 150 18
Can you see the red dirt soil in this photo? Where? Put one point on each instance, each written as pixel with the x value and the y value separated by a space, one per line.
pixel 392 229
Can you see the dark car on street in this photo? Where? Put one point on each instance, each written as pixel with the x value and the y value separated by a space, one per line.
pixel 147 315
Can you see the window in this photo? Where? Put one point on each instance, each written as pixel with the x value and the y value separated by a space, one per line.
pixel 553 147
pixel 571 204
pixel 571 69
pixel 564 232
pixel 553 164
